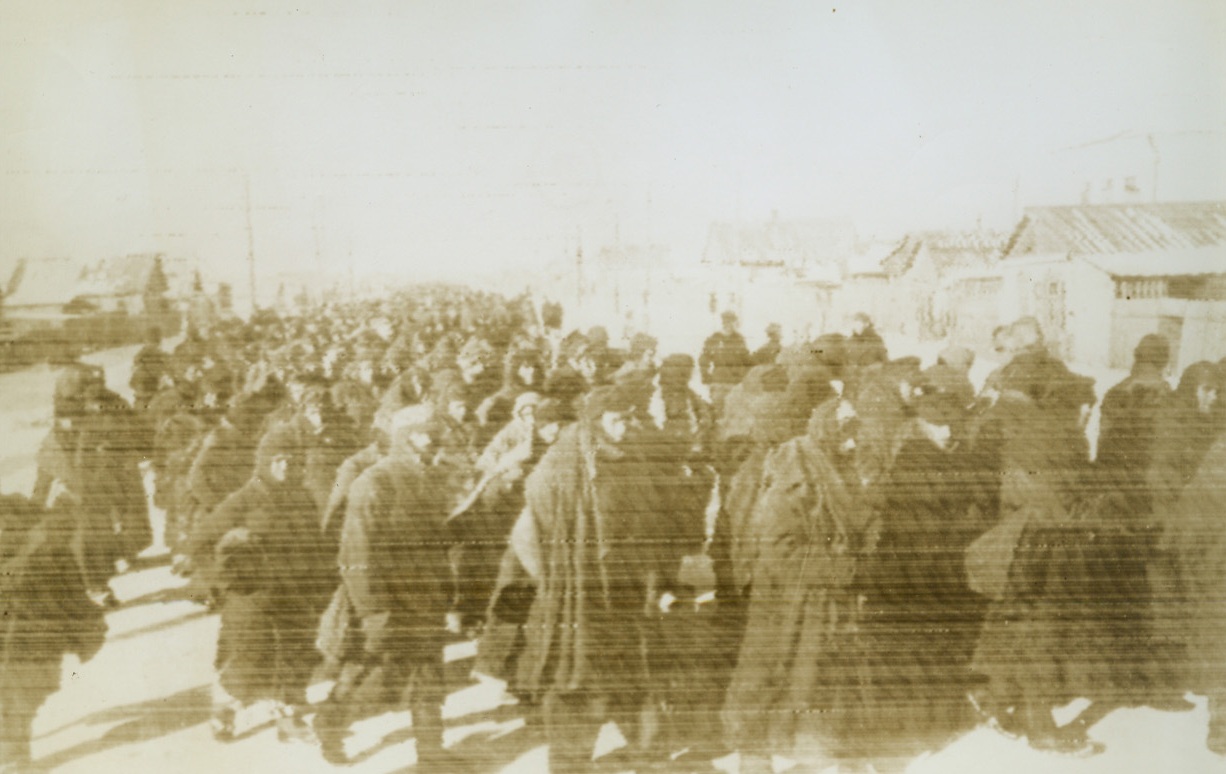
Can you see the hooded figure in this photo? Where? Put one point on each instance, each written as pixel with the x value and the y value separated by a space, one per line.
pixel 864 345
pixel 1197 537
pixel 395 590
pixel 222 465
pixel 274 571
pixel 601 548
pixel 523 371
pixel 1185 431
pixel 922 619
pixel 1048 637
pixel 799 677
pixel 1128 423
pixel 84 473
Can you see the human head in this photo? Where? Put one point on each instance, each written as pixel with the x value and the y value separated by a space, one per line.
pixel 525 406
pixel 598 336
pixel 583 360
pixel 526 373
pixel 451 395
pixel 279 457
pixel 315 403
pixel 1000 340
pixel 609 408
pixel 1199 386
pixel 729 321
pixel 414 428
pixel 676 371
pixel 77 389
pixel 941 397
pixel 548 419
pixel 1025 333
pixel 643 349
pixel 473 357
pixel 1153 352
pixel 774 332
pixel 959 358
pixel 860 322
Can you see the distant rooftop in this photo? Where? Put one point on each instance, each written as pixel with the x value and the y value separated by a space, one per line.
pixel 949 251
pixel 1099 229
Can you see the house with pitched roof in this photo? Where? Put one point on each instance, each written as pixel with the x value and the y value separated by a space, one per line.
pixel 924 269
pixel 1099 277
pixel 101 303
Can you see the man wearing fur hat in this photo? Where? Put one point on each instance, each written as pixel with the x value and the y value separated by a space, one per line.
pixel 82 470
pixel 575 375
pixel 395 590
pixel 222 465
pixel 274 572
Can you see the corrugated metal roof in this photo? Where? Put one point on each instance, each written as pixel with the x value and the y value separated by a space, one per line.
pixel 1198 261
pixel 1101 229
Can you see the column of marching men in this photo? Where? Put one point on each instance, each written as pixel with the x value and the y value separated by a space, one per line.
pixel 837 556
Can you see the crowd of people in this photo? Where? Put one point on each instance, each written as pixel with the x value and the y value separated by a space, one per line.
pixel 813 549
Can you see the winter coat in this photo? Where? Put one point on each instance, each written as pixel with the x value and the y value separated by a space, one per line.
pixel 44 610
pixel 276 573
pixel 799 654
pixel 865 349
pixel 922 619
pixel 1050 631
pixel 602 544
pixel 725 359
pixel 393 558
pixel 1197 535
pixel 1127 430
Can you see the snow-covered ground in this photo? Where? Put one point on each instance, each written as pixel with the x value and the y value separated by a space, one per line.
pixel 142 704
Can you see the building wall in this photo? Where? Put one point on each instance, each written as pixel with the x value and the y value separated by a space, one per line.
pixel 973 309
pixel 1195 329
pixel 882 299
pixel 1072 301
pixel 1204 332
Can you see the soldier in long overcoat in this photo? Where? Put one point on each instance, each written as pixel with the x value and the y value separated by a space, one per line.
pixel 800 658
pixel 395 591
pixel 603 548
pixel 44 614
pixel 275 573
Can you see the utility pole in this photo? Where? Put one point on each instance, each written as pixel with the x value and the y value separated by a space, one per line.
pixel 579 264
pixel 250 243
pixel 1153 144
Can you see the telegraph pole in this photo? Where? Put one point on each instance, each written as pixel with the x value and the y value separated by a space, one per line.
pixel 250 244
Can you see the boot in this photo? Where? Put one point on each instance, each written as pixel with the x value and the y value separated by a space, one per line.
pixel 331 730
pixel 292 727
pixel 222 723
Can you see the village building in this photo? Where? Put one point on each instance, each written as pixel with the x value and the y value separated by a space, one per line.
pixel 66 304
pixel 1099 277
pixel 907 287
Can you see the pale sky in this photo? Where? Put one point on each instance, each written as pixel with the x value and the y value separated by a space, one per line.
pixel 443 139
